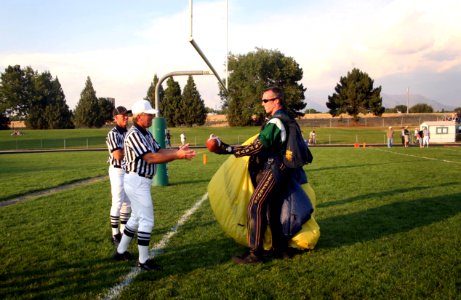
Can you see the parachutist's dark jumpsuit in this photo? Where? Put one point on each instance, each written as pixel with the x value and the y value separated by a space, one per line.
pixel 267 172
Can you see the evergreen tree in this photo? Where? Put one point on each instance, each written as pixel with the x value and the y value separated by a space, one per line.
pixel 87 112
pixel 107 108
pixel 151 92
pixel 355 94
pixel 250 74
pixel 57 113
pixel 193 105
pixel 36 117
pixel 171 104
pixel 48 108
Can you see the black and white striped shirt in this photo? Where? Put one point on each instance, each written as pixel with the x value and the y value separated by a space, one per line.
pixel 139 142
pixel 114 141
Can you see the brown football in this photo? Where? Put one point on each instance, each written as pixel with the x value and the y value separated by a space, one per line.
pixel 212 144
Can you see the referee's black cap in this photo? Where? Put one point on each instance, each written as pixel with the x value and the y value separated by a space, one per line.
pixel 121 110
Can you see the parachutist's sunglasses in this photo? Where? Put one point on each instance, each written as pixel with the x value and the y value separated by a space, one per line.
pixel 267 100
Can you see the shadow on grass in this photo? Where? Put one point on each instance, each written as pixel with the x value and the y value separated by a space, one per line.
pixel 86 277
pixel 71 279
pixel 380 194
pixel 310 169
pixel 388 219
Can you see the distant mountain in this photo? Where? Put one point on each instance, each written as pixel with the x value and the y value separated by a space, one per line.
pixel 391 101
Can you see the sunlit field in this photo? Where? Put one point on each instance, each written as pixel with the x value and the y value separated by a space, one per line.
pixel 390 223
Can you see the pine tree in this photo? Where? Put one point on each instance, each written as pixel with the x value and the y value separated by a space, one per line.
pixel 171 104
pixel 151 92
pixel 87 112
pixel 355 94
pixel 47 107
pixel 193 105
pixel 106 107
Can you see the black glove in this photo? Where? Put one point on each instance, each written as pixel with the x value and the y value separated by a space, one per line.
pixel 224 148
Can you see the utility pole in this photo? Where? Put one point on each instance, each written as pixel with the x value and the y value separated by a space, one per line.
pixel 408 99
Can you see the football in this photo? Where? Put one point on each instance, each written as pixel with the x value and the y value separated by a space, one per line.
pixel 213 144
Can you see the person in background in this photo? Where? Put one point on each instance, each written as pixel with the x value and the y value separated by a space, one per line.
pixel 420 138
pixel 390 137
pixel 168 139
pixel 183 138
pixel 402 135
pixel 121 207
pixel 426 137
pixel 415 136
pixel 312 137
pixel 406 137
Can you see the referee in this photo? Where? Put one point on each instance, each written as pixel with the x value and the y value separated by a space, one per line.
pixel 142 153
pixel 121 208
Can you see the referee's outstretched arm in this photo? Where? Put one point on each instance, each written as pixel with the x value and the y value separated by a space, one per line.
pixel 167 155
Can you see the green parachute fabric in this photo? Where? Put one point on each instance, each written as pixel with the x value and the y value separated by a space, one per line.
pixel 229 192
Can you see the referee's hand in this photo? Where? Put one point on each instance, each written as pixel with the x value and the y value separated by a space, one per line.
pixel 185 153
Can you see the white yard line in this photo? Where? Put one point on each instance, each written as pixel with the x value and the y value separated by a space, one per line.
pixel 53 190
pixel 115 291
pixel 417 156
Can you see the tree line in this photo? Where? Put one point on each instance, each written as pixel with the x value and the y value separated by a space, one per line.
pixel 38 98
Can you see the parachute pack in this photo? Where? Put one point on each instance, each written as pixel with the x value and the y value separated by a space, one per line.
pixel 297 153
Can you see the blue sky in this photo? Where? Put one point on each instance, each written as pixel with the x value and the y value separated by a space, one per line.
pixel 120 45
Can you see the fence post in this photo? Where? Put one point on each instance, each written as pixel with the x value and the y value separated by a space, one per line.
pixel 64 143
pixel 329 139
pixel 87 143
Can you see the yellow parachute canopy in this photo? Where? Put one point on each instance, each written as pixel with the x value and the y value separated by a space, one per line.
pixel 229 192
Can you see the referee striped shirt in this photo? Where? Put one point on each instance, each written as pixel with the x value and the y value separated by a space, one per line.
pixel 114 141
pixel 139 142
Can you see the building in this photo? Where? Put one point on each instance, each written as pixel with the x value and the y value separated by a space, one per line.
pixel 442 131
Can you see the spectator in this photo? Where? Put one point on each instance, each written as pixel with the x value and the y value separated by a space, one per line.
pixel 390 137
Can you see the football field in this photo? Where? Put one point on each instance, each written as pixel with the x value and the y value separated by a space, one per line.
pixel 390 222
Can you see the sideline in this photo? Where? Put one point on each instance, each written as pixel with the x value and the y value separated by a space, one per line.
pixel 52 190
pixel 417 156
pixel 115 291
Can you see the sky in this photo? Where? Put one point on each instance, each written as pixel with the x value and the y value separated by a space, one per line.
pixel 405 46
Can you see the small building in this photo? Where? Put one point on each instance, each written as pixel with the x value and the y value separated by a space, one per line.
pixel 441 131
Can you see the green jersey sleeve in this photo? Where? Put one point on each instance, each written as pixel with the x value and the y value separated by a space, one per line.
pixel 273 135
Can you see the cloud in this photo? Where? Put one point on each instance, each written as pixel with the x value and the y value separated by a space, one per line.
pixel 384 38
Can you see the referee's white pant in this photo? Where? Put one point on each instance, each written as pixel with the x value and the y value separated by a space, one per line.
pixel 138 190
pixel 120 202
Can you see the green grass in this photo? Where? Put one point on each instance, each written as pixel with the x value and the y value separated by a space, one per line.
pixel 196 136
pixel 390 229
pixel 25 173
